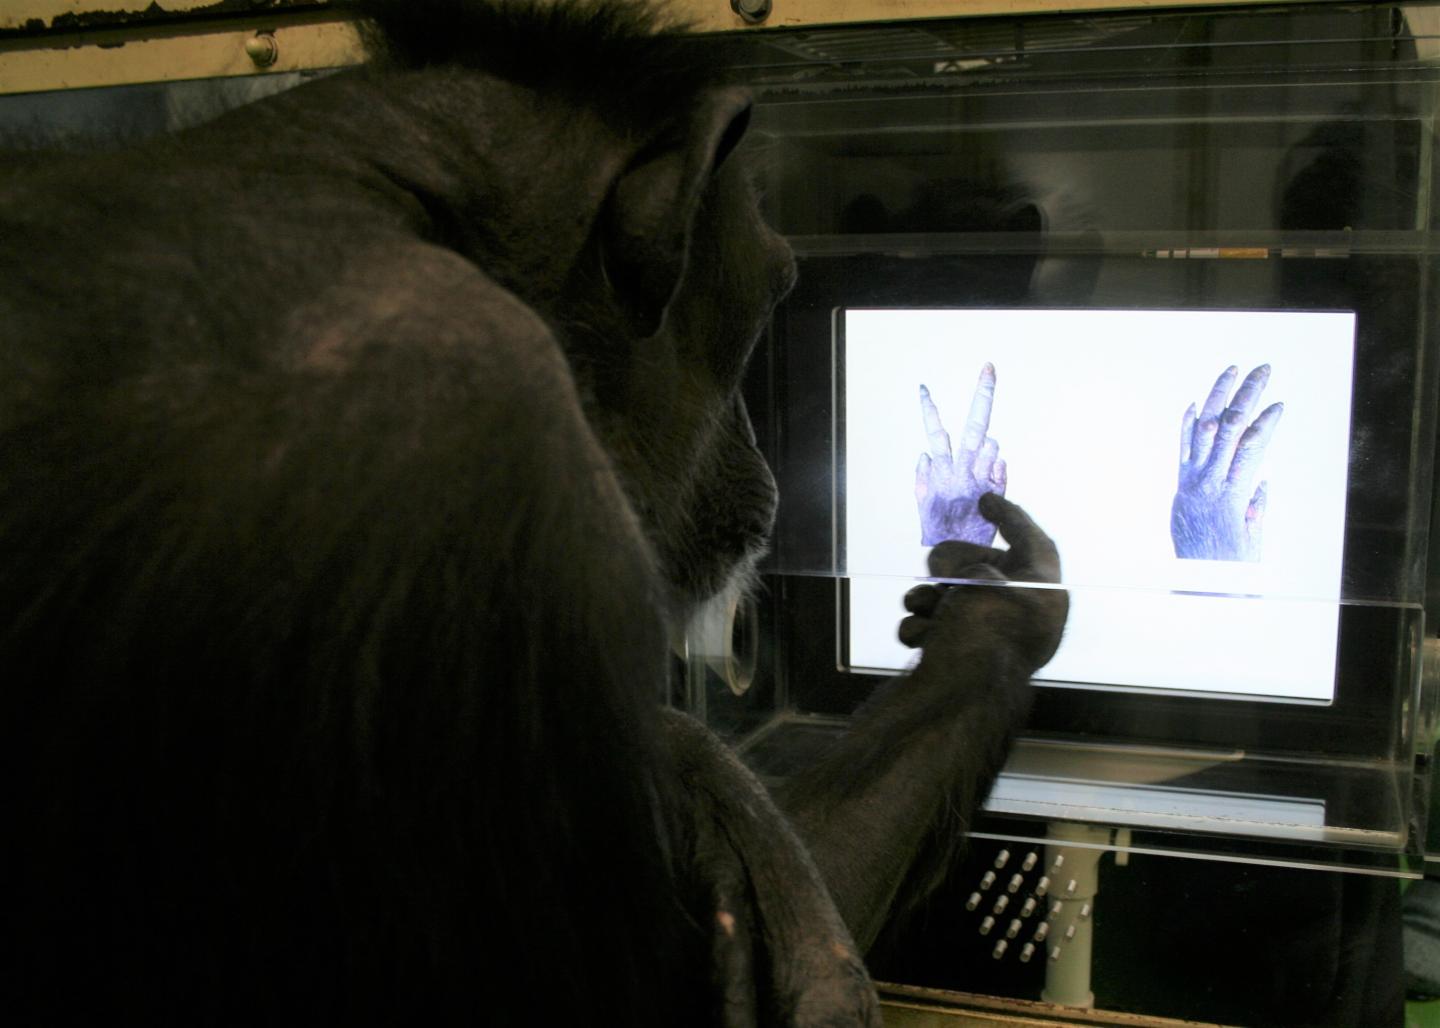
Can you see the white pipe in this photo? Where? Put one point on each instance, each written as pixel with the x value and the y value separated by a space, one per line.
pixel 1074 879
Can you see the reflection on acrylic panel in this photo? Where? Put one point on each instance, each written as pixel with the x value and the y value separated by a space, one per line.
pixel 1190 465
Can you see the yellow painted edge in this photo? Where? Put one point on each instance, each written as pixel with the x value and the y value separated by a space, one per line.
pixel 18 12
pixel 140 53
pixel 177 57
pixel 717 16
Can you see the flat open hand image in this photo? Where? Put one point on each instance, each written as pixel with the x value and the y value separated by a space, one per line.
pixel 1218 512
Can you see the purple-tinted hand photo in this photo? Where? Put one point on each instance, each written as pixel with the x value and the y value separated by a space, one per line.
pixel 1219 510
pixel 949 484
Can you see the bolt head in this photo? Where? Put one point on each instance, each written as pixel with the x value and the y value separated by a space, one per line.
pixel 753 11
pixel 262 49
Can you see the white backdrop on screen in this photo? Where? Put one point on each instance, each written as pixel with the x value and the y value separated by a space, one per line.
pixel 1087 413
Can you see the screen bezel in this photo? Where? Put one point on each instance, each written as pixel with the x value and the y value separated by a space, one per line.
pixel 840 365
pixel 794 393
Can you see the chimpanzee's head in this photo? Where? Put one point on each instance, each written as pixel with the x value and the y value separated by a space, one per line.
pixel 650 260
pixel 675 421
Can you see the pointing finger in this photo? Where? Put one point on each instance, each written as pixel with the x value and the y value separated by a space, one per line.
pixel 1029 545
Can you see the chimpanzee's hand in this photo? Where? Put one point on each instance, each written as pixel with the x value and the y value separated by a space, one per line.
pixel 1032 619
pixel 948 488
pixel 1218 512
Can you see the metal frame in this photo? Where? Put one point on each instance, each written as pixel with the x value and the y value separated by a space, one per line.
pixel 76 44
pixel 177 49
pixel 913 1006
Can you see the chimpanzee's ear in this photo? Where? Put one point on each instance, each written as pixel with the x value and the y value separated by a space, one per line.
pixel 646 223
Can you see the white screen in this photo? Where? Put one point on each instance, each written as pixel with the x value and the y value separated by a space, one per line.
pixel 1087 413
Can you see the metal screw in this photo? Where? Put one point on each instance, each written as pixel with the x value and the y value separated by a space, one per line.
pixel 753 11
pixel 263 49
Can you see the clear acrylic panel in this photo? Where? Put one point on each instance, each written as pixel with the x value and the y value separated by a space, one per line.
pixel 1093 224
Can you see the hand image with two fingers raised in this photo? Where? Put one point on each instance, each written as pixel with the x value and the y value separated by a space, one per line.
pixel 949 484
pixel 1219 510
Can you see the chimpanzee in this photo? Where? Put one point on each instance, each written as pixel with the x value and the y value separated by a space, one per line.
pixel 357 450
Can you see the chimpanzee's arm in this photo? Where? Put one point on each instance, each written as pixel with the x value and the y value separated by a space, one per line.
pixel 885 811
pixel 780 953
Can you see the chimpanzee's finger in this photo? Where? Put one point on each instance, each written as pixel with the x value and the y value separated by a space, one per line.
pixel 1032 553
pixel 913 630
pixel 1202 439
pixel 1248 395
pixel 977 425
pixel 1222 452
pixel 1251 449
pixel 1187 432
pixel 934 430
pixel 977 573
pixel 1255 509
pixel 1219 393
pixel 951 558
pixel 923 599
pixel 922 478
pixel 985 460
pixel 998 477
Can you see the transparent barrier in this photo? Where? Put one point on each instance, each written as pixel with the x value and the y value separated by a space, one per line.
pixel 1166 281
pixel 1294 745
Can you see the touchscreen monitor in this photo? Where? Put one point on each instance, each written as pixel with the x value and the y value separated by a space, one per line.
pixel 1190 465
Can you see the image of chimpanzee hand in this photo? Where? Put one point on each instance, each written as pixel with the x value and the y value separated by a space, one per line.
pixel 1031 619
pixel 948 486
pixel 1219 509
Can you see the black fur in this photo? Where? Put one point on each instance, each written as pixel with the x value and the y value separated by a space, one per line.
pixel 648 68
pixel 357 452
pixel 331 644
